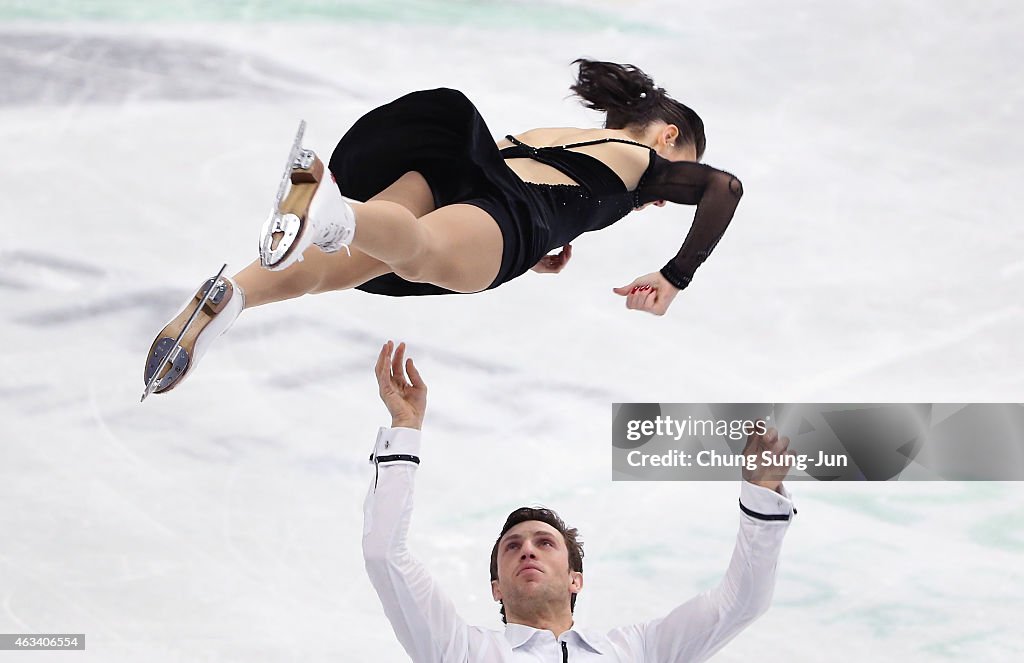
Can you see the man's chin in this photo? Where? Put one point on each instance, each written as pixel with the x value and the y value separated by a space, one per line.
pixel 531 585
pixel 528 598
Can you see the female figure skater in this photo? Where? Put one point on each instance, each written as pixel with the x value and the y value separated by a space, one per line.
pixel 449 211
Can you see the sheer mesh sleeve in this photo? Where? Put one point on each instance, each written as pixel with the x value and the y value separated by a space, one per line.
pixel 716 194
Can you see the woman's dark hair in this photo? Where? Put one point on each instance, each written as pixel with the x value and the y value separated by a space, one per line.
pixel 569 535
pixel 631 99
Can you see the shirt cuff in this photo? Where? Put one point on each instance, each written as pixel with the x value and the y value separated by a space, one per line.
pixel 396 445
pixel 766 504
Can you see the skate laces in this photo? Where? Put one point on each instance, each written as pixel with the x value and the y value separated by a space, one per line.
pixel 333 233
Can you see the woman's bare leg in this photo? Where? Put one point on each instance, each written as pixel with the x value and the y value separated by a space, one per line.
pixel 310 276
pixel 318 272
pixel 458 247
pixel 324 272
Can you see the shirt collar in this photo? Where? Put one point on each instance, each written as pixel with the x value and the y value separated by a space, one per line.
pixel 590 639
pixel 518 635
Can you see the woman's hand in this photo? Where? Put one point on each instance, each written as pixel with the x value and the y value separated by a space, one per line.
pixel 651 293
pixel 554 264
pixel 406 400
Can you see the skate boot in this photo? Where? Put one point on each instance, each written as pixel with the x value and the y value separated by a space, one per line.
pixel 305 213
pixel 184 340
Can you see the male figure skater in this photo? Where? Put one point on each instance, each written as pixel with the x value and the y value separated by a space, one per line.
pixel 537 564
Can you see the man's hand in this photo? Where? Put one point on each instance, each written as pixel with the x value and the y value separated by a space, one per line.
pixel 554 264
pixel 651 293
pixel 767 474
pixel 406 400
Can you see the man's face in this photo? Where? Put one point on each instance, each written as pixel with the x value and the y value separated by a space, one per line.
pixel 533 569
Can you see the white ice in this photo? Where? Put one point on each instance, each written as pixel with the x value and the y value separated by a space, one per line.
pixel 876 256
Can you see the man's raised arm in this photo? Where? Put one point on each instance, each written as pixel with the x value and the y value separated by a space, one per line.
pixel 704 624
pixel 424 619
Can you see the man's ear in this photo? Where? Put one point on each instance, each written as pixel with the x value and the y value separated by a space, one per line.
pixel 577 582
pixel 495 592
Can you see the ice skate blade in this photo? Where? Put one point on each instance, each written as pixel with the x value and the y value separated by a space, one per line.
pixel 165 352
pixel 175 351
pixel 284 237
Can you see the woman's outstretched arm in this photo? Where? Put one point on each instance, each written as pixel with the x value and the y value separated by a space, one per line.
pixel 716 194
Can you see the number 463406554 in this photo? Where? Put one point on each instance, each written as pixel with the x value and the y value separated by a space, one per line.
pixel 36 641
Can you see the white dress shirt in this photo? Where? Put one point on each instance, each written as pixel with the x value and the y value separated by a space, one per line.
pixel 430 630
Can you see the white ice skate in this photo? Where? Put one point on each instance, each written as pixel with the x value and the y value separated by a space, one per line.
pixel 184 340
pixel 304 213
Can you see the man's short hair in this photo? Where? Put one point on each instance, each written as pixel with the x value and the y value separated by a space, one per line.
pixel 569 534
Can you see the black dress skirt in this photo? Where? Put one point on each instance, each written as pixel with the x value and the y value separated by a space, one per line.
pixel 440 134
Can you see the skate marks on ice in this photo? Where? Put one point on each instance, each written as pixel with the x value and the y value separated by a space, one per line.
pixel 60 301
pixel 78 292
pixel 36 271
pixel 45 295
pixel 65 291
pixel 155 300
pixel 357 347
pixel 66 69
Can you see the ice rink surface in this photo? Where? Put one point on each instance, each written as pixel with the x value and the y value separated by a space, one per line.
pixel 876 256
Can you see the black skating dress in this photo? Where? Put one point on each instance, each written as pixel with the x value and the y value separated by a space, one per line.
pixel 440 134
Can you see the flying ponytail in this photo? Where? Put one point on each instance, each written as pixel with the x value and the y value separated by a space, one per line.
pixel 621 90
pixel 631 99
